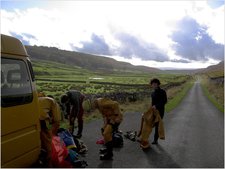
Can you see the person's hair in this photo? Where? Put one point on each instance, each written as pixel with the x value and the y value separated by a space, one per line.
pixel 50 96
pixel 41 94
pixel 64 98
pixel 155 81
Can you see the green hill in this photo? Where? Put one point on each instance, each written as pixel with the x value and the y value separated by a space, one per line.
pixel 85 61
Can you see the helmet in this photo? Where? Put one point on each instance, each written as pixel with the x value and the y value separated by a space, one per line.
pixel 86 105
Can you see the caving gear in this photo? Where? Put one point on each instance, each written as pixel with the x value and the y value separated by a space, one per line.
pixel 131 135
pixel 117 139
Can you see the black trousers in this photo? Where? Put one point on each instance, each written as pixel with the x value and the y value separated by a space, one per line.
pixel 156 135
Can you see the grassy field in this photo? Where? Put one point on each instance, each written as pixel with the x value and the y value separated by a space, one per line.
pixel 84 80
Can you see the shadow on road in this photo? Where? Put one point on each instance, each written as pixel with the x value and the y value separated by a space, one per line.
pixel 108 163
pixel 158 157
pixel 105 164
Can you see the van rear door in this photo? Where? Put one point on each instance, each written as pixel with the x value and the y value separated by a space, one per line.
pixel 20 130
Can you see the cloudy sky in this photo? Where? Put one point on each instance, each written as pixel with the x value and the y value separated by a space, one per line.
pixel 161 34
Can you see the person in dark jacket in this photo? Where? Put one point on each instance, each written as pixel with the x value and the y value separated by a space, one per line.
pixel 159 99
pixel 74 99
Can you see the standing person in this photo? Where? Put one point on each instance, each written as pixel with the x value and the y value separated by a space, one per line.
pixel 49 121
pixel 74 99
pixel 159 99
pixel 112 118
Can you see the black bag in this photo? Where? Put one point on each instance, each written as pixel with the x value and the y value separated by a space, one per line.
pixel 117 139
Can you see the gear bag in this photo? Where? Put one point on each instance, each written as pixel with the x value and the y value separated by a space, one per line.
pixel 73 148
pixel 81 147
pixel 117 139
pixel 67 138
pixel 59 153
pixel 131 135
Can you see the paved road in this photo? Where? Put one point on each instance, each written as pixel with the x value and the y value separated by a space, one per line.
pixel 194 138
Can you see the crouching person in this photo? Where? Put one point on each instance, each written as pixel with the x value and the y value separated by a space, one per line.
pixel 112 118
pixel 150 119
pixel 49 121
pixel 73 99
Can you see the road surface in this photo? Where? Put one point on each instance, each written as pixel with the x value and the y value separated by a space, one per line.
pixel 194 138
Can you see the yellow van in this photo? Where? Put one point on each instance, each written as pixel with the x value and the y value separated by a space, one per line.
pixel 20 128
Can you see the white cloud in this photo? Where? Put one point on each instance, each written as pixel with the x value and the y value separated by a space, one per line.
pixel 62 23
pixel 168 64
pixel 213 18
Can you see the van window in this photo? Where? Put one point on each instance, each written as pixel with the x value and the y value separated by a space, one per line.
pixel 15 83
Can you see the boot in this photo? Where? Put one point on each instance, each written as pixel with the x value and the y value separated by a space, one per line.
pixel 78 135
pixel 109 152
pixel 106 156
pixel 155 142
pixel 103 150
pixel 144 144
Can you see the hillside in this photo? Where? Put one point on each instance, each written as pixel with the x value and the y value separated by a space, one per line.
pixel 218 67
pixel 214 70
pixel 85 61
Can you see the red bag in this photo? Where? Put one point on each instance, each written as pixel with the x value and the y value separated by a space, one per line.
pixel 59 153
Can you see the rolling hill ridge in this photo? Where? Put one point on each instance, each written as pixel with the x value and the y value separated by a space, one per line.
pixel 101 63
pixel 86 61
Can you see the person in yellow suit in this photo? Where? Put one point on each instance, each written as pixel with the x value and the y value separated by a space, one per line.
pixel 150 119
pixel 49 121
pixel 112 118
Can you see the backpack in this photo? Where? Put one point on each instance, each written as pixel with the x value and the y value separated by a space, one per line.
pixel 59 153
pixel 74 147
pixel 66 136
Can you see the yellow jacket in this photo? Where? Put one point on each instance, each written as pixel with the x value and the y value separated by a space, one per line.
pixel 49 109
pixel 150 118
pixel 110 110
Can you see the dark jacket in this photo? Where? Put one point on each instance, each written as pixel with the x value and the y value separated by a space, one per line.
pixel 159 99
pixel 75 99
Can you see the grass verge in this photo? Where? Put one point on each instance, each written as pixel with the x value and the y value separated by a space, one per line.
pixel 212 98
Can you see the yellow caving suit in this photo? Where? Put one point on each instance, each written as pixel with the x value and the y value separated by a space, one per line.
pixel 149 119
pixel 49 119
pixel 112 116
